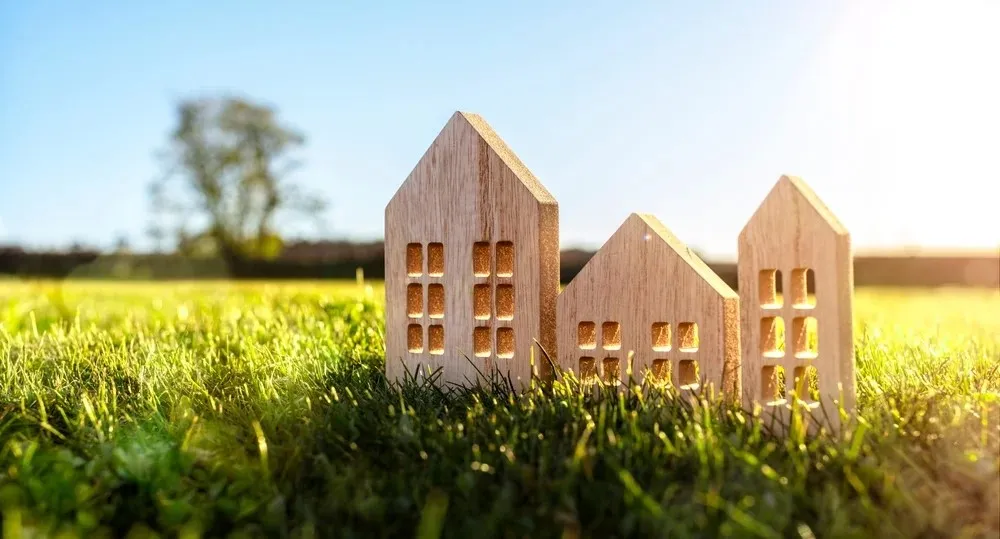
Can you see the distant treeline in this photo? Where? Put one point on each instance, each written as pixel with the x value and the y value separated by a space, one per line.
pixel 338 260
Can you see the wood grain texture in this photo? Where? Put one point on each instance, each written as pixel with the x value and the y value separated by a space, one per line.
pixel 646 296
pixel 791 231
pixel 498 229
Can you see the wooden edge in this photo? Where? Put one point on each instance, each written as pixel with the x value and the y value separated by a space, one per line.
pixel 808 195
pixel 845 316
pixel 509 158
pixel 817 204
pixel 548 292
pixel 427 150
pixel 499 147
pixel 732 367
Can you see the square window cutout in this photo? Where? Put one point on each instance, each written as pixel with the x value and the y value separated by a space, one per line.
pixel 435 300
pixel 769 289
pixel 586 335
pixel 505 342
pixel 435 339
pixel 805 330
pixel 687 374
pixel 661 337
pixel 612 370
pixel 660 371
pixel 772 336
pixel 481 301
pixel 505 301
pixel 505 259
pixel 807 385
pixel 414 260
pixel 588 369
pixel 414 300
pixel 481 341
pixel 415 338
pixel 481 259
pixel 687 337
pixel 772 385
pixel 435 259
pixel 611 336
pixel 801 279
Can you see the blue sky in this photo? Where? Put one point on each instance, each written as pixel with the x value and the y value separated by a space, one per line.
pixel 688 110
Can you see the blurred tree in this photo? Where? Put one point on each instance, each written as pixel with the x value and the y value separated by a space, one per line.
pixel 225 179
pixel 122 246
pixel 79 247
pixel 157 235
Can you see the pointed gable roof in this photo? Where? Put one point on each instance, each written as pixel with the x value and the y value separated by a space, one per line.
pixel 460 126
pixel 673 242
pixel 648 225
pixel 810 196
pixel 500 148
pixel 802 192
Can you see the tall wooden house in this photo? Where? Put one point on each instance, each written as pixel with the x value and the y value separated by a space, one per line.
pixel 646 297
pixel 796 286
pixel 472 261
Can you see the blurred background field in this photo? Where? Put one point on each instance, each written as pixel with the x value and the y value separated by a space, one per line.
pixel 960 311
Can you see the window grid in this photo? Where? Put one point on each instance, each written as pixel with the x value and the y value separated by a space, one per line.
pixel 493 299
pixel 788 367
pixel 425 298
pixel 673 352
pixel 605 337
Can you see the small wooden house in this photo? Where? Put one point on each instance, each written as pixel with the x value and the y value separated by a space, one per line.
pixel 646 298
pixel 796 285
pixel 472 261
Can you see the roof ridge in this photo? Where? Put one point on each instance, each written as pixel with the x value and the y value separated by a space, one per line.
pixel 682 250
pixel 513 162
pixel 813 199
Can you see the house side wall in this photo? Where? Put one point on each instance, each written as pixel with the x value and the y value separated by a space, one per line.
pixel 637 282
pixel 843 345
pixel 732 375
pixel 786 234
pixel 548 290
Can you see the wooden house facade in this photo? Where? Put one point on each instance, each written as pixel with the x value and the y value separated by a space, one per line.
pixel 646 303
pixel 796 286
pixel 472 261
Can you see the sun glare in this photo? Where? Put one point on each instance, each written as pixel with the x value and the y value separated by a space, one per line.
pixel 915 86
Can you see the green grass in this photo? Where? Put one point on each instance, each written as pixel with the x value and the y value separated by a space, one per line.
pixel 261 410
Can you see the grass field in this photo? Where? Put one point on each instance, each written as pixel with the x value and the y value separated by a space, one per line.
pixel 260 410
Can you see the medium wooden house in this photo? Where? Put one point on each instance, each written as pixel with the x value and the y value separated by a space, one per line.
pixel 472 261
pixel 796 285
pixel 647 302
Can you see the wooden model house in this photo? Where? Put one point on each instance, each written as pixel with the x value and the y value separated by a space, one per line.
pixel 472 261
pixel 647 298
pixel 796 344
